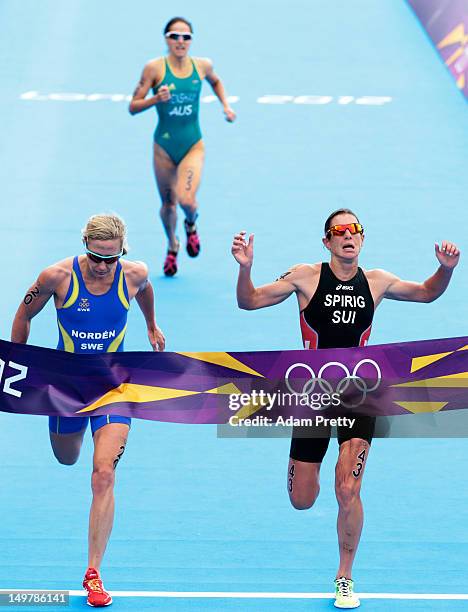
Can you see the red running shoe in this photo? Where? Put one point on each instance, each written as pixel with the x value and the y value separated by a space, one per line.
pixel 170 263
pixel 97 596
pixel 193 241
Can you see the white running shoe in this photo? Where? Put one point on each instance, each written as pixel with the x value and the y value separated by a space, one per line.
pixel 344 594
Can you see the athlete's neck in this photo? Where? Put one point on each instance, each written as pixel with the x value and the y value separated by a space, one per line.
pixel 95 282
pixel 344 269
pixel 179 63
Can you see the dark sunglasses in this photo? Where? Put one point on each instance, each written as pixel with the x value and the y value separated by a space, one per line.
pixel 186 36
pixel 340 230
pixel 98 258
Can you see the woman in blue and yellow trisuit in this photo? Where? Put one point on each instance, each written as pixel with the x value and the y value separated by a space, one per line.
pixel 176 82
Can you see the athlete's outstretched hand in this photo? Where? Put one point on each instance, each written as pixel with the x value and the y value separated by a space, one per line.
pixel 156 338
pixel 164 93
pixel 243 250
pixel 229 114
pixel 447 254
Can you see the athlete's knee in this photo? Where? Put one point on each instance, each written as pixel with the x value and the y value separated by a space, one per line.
pixel 103 479
pixel 303 499
pixel 66 452
pixel 166 206
pixel 347 493
pixel 188 201
pixel 167 195
pixel 66 459
pixel 189 205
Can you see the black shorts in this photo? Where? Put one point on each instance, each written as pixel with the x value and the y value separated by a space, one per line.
pixel 310 444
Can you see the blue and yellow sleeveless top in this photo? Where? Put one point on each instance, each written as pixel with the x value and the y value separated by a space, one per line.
pixel 91 323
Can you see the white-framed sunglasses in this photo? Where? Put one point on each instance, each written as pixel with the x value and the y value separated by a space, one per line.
pixel 99 257
pixel 186 36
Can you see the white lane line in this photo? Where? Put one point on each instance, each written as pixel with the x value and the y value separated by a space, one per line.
pixel 260 595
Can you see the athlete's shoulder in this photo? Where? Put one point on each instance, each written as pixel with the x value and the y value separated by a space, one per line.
pixel 312 268
pixel 204 65
pixel 301 271
pixel 380 280
pixel 203 61
pixel 154 68
pixel 135 271
pixel 53 275
pixel 307 268
pixel 59 269
pixel 155 62
pixel 378 275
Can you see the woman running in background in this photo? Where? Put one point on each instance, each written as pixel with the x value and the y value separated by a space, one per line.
pixel 179 151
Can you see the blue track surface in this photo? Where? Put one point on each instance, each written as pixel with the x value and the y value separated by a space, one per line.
pixel 194 512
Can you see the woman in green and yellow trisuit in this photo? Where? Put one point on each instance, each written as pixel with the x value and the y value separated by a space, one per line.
pixel 176 82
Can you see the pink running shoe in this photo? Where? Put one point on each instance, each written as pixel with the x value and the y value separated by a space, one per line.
pixel 170 263
pixel 193 241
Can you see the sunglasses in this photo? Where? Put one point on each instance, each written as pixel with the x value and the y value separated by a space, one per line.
pixel 340 230
pixel 108 259
pixel 186 36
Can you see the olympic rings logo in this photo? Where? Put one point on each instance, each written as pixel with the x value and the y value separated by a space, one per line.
pixel 361 384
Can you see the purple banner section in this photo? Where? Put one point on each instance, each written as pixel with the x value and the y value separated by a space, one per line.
pixel 392 379
pixel 446 22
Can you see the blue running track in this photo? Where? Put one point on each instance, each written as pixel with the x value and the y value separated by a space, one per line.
pixel 196 513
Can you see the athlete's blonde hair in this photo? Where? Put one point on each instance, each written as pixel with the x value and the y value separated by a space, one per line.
pixel 106 227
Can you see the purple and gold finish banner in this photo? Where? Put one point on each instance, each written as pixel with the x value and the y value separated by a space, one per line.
pixel 446 22
pixel 392 379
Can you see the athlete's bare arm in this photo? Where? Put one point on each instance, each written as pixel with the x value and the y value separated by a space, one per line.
pixel 299 279
pixel 150 77
pixel 139 286
pixel 387 285
pixel 213 79
pixel 47 284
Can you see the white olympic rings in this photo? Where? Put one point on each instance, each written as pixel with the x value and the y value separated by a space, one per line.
pixel 343 384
